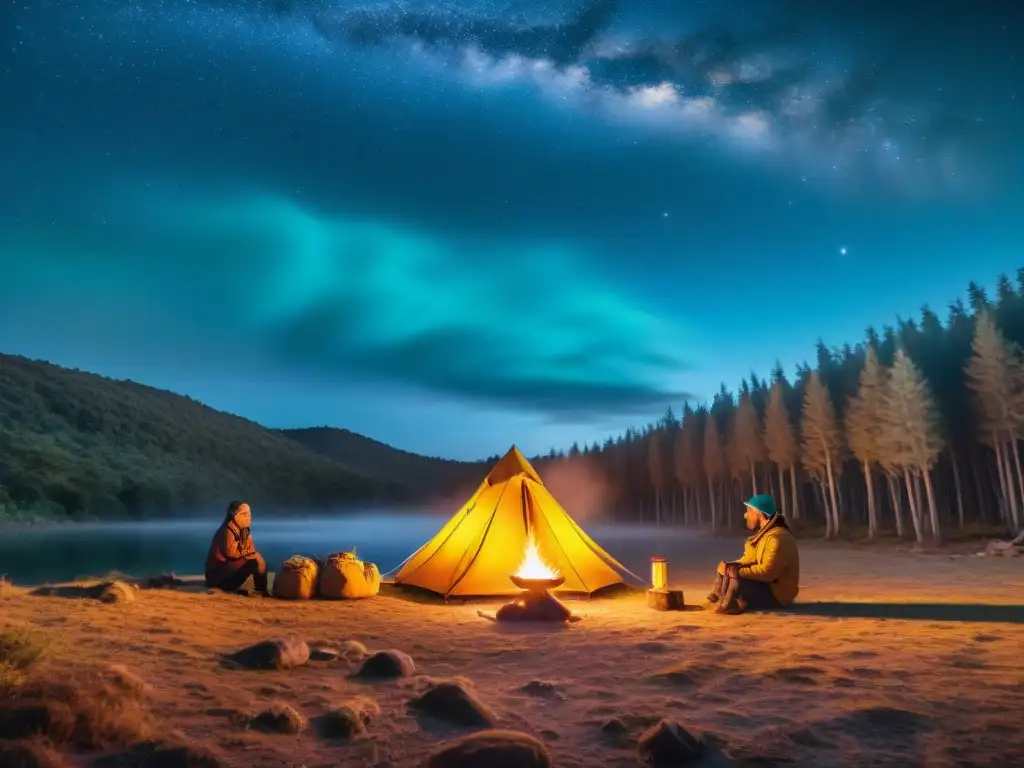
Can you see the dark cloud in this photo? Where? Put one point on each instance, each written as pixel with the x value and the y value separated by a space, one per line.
pixel 488 361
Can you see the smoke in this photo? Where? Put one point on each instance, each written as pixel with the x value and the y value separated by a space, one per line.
pixel 579 485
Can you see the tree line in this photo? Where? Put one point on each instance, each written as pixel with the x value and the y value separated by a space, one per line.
pixel 912 431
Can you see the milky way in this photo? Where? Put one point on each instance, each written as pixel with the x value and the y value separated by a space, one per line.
pixel 520 221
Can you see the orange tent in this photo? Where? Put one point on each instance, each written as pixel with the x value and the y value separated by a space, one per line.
pixel 484 543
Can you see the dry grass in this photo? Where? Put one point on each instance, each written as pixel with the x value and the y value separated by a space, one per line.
pixel 20 649
pixel 85 708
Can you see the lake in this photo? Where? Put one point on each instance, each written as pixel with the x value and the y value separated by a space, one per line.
pixel 62 553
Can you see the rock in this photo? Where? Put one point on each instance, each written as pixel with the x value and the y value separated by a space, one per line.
pixel 384 664
pixel 614 727
pixel 668 743
pixel 280 718
pixel 116 592
pixel 541 688
pixel 276 653
pixel 28 754
pixel 492 748
pixel 323 654
pixel 163 580
pixel 348 719
pixel 665 599
pixel 454 703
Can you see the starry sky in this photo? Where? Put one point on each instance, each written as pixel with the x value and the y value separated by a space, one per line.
pixel 457 224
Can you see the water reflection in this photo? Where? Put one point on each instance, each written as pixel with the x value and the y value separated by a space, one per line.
pixel 141 549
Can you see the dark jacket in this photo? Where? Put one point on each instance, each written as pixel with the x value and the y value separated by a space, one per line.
pixel 230 549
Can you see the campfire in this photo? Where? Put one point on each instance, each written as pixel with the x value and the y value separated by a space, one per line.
pixel 535 577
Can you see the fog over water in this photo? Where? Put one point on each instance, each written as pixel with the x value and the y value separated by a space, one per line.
pixel 60 553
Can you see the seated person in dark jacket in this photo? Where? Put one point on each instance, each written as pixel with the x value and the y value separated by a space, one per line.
pixel 233 558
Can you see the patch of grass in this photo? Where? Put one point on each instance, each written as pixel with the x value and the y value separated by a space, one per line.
pixel 20 649
pixel 86 708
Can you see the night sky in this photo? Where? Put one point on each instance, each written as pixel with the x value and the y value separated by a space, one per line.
pixel 455 225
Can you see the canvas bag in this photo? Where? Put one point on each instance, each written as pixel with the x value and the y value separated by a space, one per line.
pixel 345 577
pixel 297 578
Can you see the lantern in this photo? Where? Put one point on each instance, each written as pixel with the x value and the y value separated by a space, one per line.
pixel 659 573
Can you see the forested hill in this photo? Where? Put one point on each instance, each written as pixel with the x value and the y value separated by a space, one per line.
pixel 78 445
pixel 430 475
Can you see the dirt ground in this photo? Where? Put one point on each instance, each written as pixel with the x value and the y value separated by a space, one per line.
pixel 890 658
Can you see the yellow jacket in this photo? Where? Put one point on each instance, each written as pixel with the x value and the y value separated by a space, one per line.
pixel 771 555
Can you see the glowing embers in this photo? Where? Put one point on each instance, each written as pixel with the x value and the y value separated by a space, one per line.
pixel 535 577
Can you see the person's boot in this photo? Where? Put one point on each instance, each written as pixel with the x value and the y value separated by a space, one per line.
pixel 735 607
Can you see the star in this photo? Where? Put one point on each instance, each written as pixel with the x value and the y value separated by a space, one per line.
pixel 842 251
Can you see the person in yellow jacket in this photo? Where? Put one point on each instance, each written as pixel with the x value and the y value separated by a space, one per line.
pixel 768 574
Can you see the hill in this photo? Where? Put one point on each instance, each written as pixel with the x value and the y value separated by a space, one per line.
pixel 81 446
pixel 430 475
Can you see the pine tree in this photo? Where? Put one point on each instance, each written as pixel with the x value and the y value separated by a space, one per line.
pixel 864 427
pixel 746 439
pixel 911 436
pixel 781 444
pixel 996 375
pixel 822 445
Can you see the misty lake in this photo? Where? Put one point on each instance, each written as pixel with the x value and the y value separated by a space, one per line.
pixel 62 553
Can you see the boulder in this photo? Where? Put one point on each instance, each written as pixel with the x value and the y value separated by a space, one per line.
pixel 384 664
pixel 493 749
pixel 276 653
pixel 454 702
pixel 279 718
pixel 668 743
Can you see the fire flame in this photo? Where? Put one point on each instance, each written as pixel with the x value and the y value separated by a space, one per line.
pixel 533 566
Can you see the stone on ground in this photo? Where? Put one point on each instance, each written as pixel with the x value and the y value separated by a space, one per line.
pixel 454 702
pixel 280 718
pixel 668 743
pixel 385 664
pixel 276 653
pixel 493 749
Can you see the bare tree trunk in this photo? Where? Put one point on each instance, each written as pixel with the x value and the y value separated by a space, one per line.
pixel 872 512
pixel 793 491
pixel 753 478
pixel 1010 490
pixel 823 494
pixel 897 503
pixel 711 497
pixel 919 498
pixel 782 489
pixel 832 490
pixel 915 512
pixel 933 512
pixel 1020 477
pixel 959 488
pixel 1004 496
pixel 979 487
